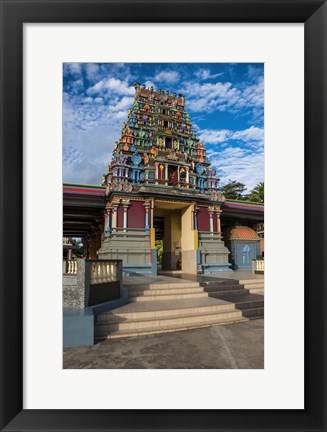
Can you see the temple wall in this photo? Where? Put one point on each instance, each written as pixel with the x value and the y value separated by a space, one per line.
pixel 136 214
pixel 203 220
pixel 120 217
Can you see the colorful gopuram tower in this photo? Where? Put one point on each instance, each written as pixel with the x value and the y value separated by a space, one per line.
pixel 161 186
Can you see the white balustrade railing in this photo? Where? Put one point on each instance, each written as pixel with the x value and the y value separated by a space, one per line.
pixel 71 267
pixel 258 265
pixel 102 272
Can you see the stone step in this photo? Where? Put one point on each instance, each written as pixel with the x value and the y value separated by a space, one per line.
pixel 160 286
pixel 172 320
pixel 155 309
pixel 219 319
pixel 257 287
pixel 252 285
pixel 160 292
pixel 253 313
pixel 222 282
pixel 252 282
pixel 257 291
pixel 146 298
pixel 249 304
pixel 219 288
pixel 229 295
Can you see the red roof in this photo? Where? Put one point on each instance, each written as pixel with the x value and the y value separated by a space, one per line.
pixel 240 233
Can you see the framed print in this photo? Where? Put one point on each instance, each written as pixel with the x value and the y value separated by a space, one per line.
pixel 38 41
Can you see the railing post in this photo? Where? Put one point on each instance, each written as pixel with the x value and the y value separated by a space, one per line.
pixel 108 222
pixel 126 203
pixel 211 211
pixel 218 213
pixel 147 206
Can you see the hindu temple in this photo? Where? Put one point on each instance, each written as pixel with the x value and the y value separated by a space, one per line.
pixel 161 186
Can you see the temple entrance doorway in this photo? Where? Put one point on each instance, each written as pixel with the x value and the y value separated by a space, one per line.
pixel 158 225
pixel 167 224
pixel 174 236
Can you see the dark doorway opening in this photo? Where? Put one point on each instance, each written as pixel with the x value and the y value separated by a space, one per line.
pixel 159 226
pixel 169 143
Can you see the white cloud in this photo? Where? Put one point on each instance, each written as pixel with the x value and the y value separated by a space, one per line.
pixel 240 165
pixel 124 103
pixel 224 96
pixel 254 72
pixel 204 74
pixel 87 100
pixel 209 136
pixel 251 135
pixel 120 115
pixel 87 152
pixel 239 155
pixel 73 68
pixel 253 95
pixel 208 96
pixel 72 155
pixel 167 76
pixel 112 85
pixel 92 71
pixel 84 172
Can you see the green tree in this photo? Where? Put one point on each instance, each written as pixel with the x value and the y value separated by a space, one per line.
pixel 159 247
pixel 78 247
pixel 234 190
pixel 257 194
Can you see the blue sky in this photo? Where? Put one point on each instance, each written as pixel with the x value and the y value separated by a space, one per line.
pixel 225 102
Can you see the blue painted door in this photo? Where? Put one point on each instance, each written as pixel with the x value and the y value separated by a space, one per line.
pixel 245 252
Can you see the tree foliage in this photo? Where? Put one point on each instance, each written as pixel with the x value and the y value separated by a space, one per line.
pixel 159 248
pixel 234 190
pixel 257 194
pixel 78 247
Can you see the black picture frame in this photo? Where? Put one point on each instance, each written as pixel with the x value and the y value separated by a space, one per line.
pixel 14 13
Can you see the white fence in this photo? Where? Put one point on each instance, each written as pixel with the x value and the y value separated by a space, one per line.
pixel 70 267
pixel 105 271
pixel 258 266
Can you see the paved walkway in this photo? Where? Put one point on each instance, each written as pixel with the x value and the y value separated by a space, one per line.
pixel 237 275
pixel 240 275
pixel 179 277
pixel 233 346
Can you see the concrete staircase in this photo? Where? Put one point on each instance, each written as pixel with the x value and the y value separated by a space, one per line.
pixel 255 286
pixel 165 305
pixel 251 305
pixel 168 291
